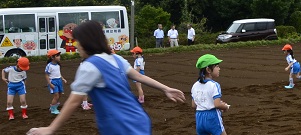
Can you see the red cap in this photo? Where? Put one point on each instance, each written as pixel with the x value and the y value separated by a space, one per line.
pixel 52 52
pixel 23 63
pixel 136 50
pixel 287 47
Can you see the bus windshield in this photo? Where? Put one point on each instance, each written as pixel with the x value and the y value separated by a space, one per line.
pixel 233 28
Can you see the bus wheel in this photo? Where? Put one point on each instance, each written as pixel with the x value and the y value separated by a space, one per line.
pixel 15 53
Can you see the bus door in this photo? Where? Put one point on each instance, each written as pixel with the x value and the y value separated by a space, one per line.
pixel 47 34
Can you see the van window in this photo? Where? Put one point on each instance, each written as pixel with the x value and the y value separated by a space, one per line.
pixel 261 26
pixel 271 25
pixel 1 23
pixel 249 27
pixel 75 18
pixel 233 28
pixel 108 19
pixel 19 23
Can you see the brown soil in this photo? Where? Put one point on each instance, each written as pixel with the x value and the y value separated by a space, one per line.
pixel 252 81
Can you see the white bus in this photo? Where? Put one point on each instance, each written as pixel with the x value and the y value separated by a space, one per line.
pixel 33 31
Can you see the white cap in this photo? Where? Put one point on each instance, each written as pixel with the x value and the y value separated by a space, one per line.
pixel 18 37
pixel 29 37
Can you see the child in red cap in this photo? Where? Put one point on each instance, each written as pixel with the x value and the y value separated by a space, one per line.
pixel 16 84
pixel 139 66
pixel 54 79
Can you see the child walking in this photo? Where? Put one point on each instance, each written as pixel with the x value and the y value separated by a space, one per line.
pixel 104 76
pixel 16 84
pixel 206 97
pixel 293 65
pixel 54 79
pixel 139 66
pixel 86 105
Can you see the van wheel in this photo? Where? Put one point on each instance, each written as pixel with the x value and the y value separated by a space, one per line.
pixel 15 53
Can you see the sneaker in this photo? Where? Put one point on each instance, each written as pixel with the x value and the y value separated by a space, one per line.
pixel 85 107
pixel 24 116
pixel 90 105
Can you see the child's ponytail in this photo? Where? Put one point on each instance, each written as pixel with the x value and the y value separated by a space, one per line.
pixel 202 73
pixel 291 53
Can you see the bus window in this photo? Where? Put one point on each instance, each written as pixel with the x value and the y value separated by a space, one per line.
pixel 42 25
pixel 51 26
pixel 43 44
pixel 19 23
pixel 51 43
pixel 1 24
pixel 75 18
pixel 108 19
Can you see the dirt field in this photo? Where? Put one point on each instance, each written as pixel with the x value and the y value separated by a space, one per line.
pixel 252 81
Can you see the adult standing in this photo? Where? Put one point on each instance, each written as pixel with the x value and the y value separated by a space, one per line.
pixel 159 34
pixel 173 36
pixel 190 35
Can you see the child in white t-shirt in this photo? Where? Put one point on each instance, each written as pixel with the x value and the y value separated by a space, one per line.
pixel 139 66
pixel 206 97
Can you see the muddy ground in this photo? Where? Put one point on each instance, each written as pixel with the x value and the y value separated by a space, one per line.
pixel 252 81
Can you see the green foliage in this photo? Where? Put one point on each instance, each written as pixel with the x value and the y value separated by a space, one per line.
pixel 295 20
pixel 276 9
pixel 148 18
pixel 214 47
pixel 286 31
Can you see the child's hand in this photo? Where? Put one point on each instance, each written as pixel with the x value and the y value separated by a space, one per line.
pixel 228 106
pixel 40 131
pixel 51 86
pixel 65 81
pixel 5 80
pixel 286 69
pixel 175 95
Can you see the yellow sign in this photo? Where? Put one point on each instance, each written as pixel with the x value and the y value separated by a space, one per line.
pixel 6 43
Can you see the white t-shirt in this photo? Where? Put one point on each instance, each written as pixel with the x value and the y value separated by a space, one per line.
pixel 290 59
pixel 88 76
pixel 53 70
pixel 14 75
pixel 190 33
pixel 159 33
pixel 172 33
pixel 139 62
pixel 205 94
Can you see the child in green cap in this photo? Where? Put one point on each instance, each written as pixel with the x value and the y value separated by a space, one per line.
pixel 206 97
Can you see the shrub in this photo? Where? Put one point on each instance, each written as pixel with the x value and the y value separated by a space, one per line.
pixel 285 31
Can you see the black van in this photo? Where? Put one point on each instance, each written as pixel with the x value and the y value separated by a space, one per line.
pixel 249 29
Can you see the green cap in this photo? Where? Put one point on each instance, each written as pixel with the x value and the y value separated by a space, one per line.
pixel 207 60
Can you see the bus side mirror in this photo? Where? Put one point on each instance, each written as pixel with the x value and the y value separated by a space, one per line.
pixel 243 30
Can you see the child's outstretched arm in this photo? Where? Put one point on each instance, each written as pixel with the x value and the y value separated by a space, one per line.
pixel 3 76
pixel 173 94
pixel 70 106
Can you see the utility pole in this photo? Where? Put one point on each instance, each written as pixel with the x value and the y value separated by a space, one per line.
pixel 132 36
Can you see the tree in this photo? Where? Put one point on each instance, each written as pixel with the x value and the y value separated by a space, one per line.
pixel 295 20
pixel 275 9
pixel 148 18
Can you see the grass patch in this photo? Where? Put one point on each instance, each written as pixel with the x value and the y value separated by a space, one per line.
pixel 169 50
